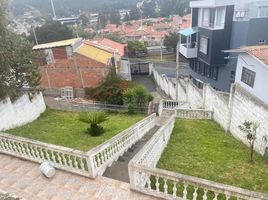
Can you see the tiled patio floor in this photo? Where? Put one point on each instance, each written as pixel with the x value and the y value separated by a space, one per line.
pixel 23 178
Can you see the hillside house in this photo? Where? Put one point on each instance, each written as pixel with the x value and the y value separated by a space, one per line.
pixel 73 64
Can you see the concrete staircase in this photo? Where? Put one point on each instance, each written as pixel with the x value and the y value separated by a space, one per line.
pixel 119 169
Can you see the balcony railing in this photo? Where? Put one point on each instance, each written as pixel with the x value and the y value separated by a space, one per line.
pixel 188 50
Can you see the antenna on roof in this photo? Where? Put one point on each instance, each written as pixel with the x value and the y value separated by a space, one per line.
pixel 53 9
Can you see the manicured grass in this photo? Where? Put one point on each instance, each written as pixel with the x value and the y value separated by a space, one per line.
pixel 201 148
pixel 64 129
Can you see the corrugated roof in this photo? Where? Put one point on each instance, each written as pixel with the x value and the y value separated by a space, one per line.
pixel 57 44
pixel 189 31
pixel 95 53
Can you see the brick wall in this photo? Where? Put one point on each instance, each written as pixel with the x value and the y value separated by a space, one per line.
pixel 78 72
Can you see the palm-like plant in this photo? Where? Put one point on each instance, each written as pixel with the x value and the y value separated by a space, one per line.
pixel 94 119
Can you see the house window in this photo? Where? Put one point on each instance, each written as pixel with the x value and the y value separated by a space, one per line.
pixel 248 77
pixel 219 17
pixel 203 69
pixel 206 17
pixel 263 11
pixel 204 45
pixel 208 71
pixel 212 17
pixel 214 72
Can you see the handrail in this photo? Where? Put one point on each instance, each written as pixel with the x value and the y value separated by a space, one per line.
pixel 105 154
pixel 61 157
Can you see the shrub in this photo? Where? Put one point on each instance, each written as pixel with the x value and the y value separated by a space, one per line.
pixel 94 119
pixel 137 98
pixel 110 90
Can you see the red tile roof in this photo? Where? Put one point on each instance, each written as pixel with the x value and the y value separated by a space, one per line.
pixel 260 52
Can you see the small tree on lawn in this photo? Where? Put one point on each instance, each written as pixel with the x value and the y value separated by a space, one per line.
pixel 94 119
pixel 250 128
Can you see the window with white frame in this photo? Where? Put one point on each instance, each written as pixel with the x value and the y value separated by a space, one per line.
pixel 220 17
pixel 212 17
pixel 263 11
pixel 204 45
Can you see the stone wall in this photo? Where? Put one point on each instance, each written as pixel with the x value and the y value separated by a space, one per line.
pixel 229 109
pixel 247 107
pixel 194 96
pixel 217 102
pixel 20 112
pixel 168 85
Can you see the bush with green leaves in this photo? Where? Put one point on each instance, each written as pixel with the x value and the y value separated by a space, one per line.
pixel 110 90
pixel 94 119
pixel 137 98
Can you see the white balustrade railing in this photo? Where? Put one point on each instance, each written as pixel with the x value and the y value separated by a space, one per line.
pixel 152 150
pixel 193 113
pixel 104 155
pixel 62 158
pixel 160 108
pixel 172 105
pixel 170 185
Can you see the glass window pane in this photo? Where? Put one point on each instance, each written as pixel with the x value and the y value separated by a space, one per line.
pixel 263 11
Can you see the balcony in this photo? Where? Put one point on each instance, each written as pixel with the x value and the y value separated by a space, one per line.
pixel 188 50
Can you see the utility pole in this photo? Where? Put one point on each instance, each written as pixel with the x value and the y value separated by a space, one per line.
pixel 177 68
pixel 161 52
pixel 53 10
pixel 35 38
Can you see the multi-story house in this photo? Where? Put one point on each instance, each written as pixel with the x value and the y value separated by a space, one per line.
pixel 218 26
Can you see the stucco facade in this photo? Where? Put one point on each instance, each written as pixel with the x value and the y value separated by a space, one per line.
pixel 261 69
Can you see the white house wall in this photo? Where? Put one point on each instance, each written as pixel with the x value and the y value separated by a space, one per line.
pixel 252 63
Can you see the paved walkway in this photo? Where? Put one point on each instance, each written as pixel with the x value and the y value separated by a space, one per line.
pixel 23 178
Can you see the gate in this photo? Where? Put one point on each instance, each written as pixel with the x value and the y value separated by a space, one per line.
pixel 139 68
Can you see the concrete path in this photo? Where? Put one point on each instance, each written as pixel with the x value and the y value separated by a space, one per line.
pixel 119 169
pixel 23 179
pixel 149 83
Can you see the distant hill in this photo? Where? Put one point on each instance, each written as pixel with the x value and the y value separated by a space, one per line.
pixel 67 7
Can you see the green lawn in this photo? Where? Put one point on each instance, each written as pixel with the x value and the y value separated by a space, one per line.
pixel 201 148
pixel 64 129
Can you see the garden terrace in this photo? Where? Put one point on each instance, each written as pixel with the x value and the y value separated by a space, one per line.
pixel 203 149
pixel 64 129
